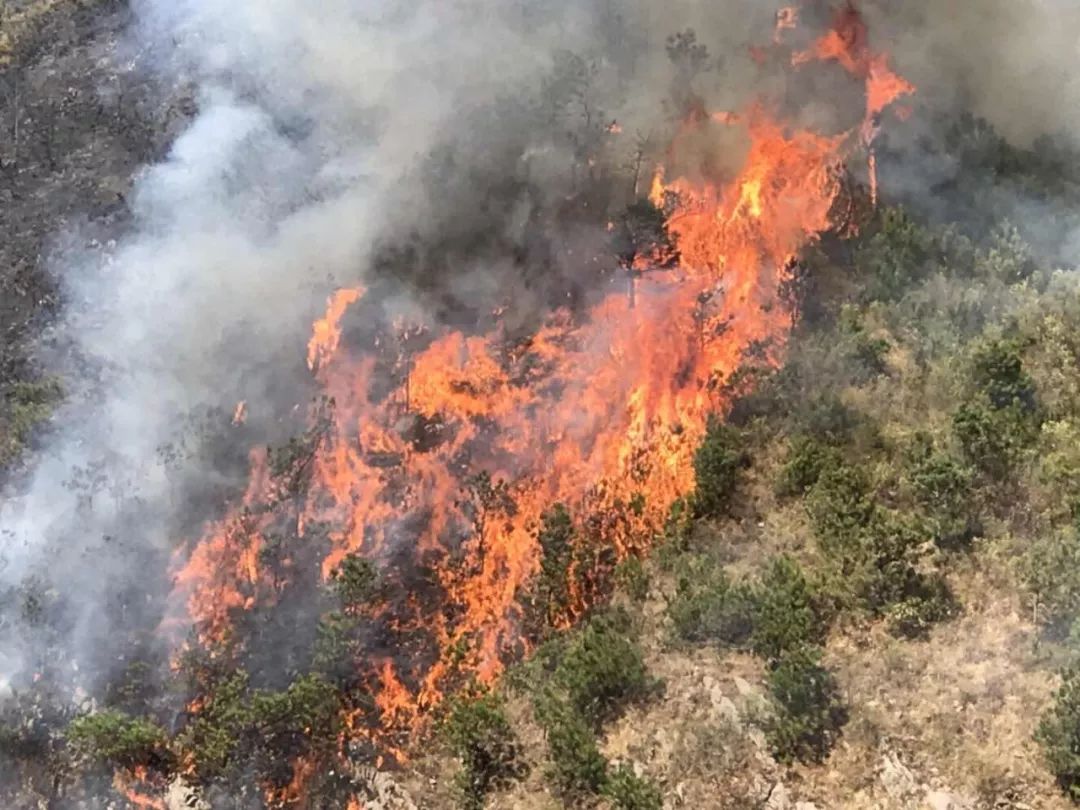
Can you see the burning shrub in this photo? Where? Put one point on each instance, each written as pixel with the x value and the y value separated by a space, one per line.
pixel 808 714
pixel 481 737
pixel 119 739
pixel 717 466
pixel 212 741
pixel 1059 734
pixel 265 729
pixel 628 791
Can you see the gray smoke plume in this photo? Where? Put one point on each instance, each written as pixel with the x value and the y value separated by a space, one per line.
pixel 313 143
pixel 326 130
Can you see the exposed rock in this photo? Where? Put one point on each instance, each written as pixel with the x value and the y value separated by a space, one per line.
pixel 182 796
pixel 940 800
pixel 897 779
pixel 779 798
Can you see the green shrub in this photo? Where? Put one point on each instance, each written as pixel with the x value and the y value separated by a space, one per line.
pixel 1059 734
pixel 23 407
pixel 807 459
pixel 718 463
pixel 895 257
pixel 885 571
pixel 930 602
pixel 481 737
pixel 707 607
pixel 1052 573
pixel 993 440
pixel 355 582
pixel 678 527
pixel 556 537
pixel 266 730
pixel 825 418
pixel 578 767
pixel 337 644
pixel 786 617
pixel 995 426
pixel 628 791
pixel 840 507
pixel 632 578
pixel 118 739
pixel 942 487
pixel 807 712
pixel 998 371
pixel 603 669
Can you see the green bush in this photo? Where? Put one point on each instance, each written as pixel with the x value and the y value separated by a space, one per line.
pixel 628 791
pixel 1052 573
pixel 266 730
pixel 996 425
pixel 603 669
pixel 998 371
pixel 993 440
pixel 840 507
pixel 807 712
pixel 355 582
pixel 807 459
pixel 786 616
pixel 578 767
pixel 118 739
pixel 895 257
pixel 24 406
pixel 942 487
pixel 556 537
pixel 481 737
pixel 930 602
pixel 632 578
pixel 1059 734
pixel 707 607
pixel 718 463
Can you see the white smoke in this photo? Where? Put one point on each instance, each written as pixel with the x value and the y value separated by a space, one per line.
pixel 314 121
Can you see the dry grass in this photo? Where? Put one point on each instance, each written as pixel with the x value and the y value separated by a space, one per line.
pixel 953 714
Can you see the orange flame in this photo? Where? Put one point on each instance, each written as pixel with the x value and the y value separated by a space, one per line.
pixel 848 44
pixel 595 412
pixel 326 332
pixel 130 783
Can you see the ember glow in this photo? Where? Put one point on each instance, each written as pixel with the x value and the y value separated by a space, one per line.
pixel 450 471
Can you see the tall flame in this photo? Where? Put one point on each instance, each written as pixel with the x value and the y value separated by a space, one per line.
pixel 596 413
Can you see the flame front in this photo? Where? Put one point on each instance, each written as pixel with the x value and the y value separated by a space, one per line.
pixel 594 412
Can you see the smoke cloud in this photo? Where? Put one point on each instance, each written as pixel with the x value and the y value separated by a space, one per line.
pixel 326 133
